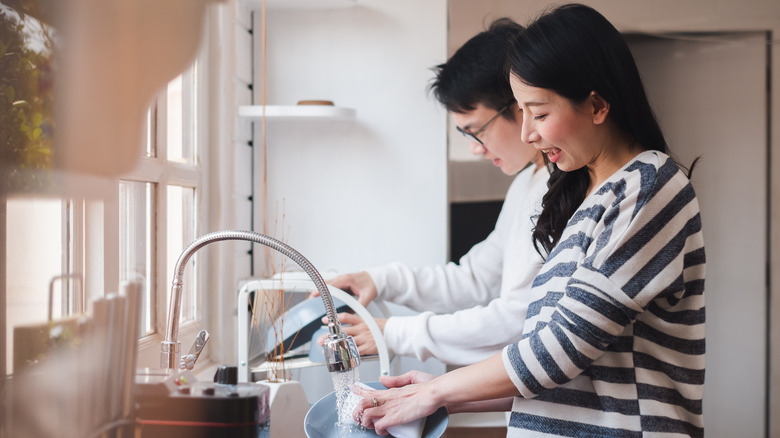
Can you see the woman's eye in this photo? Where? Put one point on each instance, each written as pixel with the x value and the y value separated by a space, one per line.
pixel 540 117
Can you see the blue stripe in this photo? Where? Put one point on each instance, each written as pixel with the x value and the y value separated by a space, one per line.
pixel 675 293
pixel 686 317
pixel 549 300
pixel 547 362
pixel 648 178
pixel 651 183
pixel 624 344
pixel 513 353
pixel 613 310
pixel 559 270
pixel 648 181
pixel 687 346
pixel 609 220
pixel 566 428
pixel 694 287
pixel 593 213
pixel 539 325
pixel 589 400
pixel 662 259
pixel 696 257
pixel 675 289
pixel 578 240
pixel 585 330
pixel 619 375
pixel 668 395
pixel 578 359
pixel 678 374
pixel 649 230
pixel 669 425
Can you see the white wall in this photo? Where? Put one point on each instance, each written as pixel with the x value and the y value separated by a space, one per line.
pixel 681 76
pixel 349 195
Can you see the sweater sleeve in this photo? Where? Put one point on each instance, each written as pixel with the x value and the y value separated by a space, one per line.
pixel 640 242
pixel 461 338
pixel 474 281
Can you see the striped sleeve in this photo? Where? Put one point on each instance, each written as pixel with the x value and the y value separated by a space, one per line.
pixel 640 246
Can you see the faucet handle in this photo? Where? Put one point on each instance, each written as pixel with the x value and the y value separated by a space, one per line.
pixel 189 359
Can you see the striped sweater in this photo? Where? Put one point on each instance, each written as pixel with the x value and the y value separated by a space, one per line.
pixel 613 342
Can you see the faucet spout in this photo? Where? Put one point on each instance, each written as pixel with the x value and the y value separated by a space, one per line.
pixel 340 350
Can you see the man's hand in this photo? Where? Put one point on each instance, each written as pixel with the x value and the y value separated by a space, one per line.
pixel 358 284
pixel 354 326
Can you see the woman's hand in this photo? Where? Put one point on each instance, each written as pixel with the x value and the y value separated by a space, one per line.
pixel 412 377
pixel 354 326
pixel 484 386
pixel 380 410
pixel 408 378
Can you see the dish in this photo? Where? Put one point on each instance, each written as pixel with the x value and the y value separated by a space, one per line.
pixel 321 421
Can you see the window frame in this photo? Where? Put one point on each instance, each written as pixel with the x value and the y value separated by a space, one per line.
pixel 161 172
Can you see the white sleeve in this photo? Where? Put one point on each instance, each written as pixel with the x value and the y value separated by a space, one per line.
pixel 460 338
pixel 440 289
pixel 474 281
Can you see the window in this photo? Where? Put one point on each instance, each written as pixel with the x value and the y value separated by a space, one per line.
pixel 158 206
pixel 63 253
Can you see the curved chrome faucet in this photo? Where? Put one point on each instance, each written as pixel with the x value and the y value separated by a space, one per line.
pixel 341 353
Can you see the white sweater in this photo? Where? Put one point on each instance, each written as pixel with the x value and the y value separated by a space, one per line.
pixel 472 309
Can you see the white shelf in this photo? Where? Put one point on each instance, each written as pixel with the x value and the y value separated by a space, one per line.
pixel 297 112
pixel 300 4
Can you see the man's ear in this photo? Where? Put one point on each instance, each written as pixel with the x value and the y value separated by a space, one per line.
pixel 600 108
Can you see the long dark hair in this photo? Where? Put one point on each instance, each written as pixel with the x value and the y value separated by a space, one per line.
pixel 573 50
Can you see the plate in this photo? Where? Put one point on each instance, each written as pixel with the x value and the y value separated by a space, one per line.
pixel 321 420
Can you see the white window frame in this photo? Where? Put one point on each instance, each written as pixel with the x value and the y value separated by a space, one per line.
pixel 163 173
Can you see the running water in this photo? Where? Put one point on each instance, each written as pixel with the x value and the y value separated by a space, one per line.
pixel 345 405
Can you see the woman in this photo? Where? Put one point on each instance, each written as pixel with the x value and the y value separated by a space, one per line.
pixel 613 342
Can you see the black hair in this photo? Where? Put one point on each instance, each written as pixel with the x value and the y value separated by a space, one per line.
pixel 476 74
pixel 574 50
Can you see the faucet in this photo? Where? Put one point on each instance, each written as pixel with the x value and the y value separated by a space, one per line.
pixel 340 350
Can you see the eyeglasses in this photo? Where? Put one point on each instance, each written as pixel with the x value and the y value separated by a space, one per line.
pixel 473 135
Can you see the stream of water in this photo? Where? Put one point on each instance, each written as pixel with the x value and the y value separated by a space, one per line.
pixel 345 405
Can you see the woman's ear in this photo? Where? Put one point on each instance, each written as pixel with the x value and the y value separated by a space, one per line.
pixel 600 108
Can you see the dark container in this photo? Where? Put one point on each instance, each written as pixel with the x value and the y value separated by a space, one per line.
pixel 205 410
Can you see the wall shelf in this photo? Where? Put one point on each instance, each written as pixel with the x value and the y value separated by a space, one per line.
pixel 300 4
pixel 297 112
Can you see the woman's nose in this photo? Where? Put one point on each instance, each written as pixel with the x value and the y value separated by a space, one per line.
pixel 529 134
